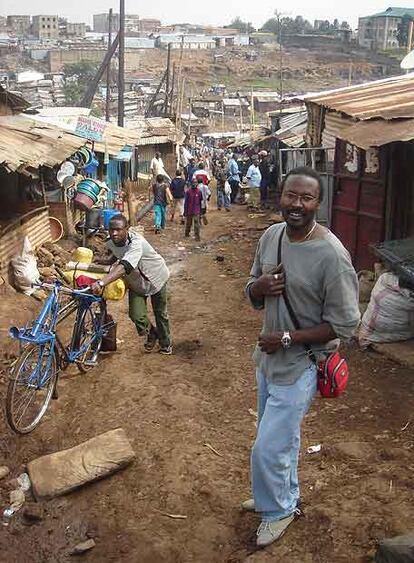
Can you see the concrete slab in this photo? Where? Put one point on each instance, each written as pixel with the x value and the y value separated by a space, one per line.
pixel 61 472
pixel 401 352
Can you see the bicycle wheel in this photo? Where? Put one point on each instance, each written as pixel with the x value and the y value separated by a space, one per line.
pixel 87 336
pixel 31 385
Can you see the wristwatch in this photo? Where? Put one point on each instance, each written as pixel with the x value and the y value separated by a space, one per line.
pixel 286 340
pixel 101 283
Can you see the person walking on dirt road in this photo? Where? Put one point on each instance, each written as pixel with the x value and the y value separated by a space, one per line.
pixel 316 276
pixel 177 189
pixel 223 198
pixel 192 209
pixel 147 275
pixel 162 197
pixel 157 167
pixel 233 176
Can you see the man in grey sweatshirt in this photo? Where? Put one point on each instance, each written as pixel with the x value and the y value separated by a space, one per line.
pixel 317 275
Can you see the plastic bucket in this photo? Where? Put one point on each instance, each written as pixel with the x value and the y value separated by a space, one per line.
pixel 88 192
pixel 107 216
pixel 83 201
pixel 90 184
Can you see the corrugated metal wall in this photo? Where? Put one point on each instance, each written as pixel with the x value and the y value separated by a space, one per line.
pixel 334 123
pixel 37 228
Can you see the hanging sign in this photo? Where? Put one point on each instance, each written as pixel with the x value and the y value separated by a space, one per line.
pixel 90 128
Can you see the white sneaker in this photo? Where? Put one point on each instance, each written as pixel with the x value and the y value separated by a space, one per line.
pixel 269 532
pixel 248 505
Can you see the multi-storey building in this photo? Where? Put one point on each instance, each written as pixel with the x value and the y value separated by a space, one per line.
pixel 379 32
pixel 75 29
pixel 19 24
pixel 101 22
pixel 45 27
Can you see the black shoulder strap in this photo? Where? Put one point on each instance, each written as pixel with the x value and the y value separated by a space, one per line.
pixel 288 304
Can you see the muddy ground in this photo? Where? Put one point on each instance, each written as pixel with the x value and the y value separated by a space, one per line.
pixel 355 492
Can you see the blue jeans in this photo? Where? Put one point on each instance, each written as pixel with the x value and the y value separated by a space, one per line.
pixel 159 216
pixel 223 200
pixel 274 459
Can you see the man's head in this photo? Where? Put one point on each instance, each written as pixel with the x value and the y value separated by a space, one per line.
pixel 194 183
pixel 255 159
pixel 157 155
pixel 178 173
pixel 118 229
pixel 192 160
pixel 201 166
pixel 302 193
pixel 159 178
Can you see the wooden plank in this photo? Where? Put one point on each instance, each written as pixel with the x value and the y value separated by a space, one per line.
pixel 61 472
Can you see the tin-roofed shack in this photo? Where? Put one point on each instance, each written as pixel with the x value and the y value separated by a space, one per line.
pixel 156 134
pixel 11 103
pixel 370 128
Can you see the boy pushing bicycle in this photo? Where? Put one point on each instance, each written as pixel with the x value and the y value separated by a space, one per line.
pixel 147 275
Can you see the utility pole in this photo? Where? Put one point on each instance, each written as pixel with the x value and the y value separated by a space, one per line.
pixel 252 110
pixel 279 30
pixel 190 103
pixel 410 36
pixel 167 82
pixel 121 63
pixel 172 89
pixel 180 82
pixel 108 68
pixel 89 94
pixel 350 74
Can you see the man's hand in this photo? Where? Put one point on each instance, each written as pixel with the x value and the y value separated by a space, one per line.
pixel 96 288
pixel 271 284
pixel 270 343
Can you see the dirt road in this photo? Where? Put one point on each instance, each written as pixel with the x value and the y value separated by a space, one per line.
pixel 357 490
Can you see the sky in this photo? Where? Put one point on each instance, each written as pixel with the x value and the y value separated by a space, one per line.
pixel 213 12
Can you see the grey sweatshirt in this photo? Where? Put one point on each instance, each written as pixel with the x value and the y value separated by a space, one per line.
pixel 321 285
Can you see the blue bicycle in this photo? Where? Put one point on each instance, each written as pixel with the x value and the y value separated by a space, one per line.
pixel 34 375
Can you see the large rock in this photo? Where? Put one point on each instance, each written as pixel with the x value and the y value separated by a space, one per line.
pixel 396 550
pixel 59 473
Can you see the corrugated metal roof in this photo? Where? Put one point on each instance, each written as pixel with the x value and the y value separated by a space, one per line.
pixel 366 134
pixel 390 98
pixel 154 131
pixel 13 100
pixel 27 143
pixel 293 135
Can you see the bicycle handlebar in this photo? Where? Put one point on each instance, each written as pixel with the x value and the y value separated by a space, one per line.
pixel 64 289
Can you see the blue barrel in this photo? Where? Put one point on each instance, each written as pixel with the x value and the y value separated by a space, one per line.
pixel 107 216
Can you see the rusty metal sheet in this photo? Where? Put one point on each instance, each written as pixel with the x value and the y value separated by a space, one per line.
pixel 366 134
pixel 390 98
pixel 27 143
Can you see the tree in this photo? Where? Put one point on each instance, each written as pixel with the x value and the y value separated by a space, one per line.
pixel 288 26
pixel 345 25
pixel 77 79
pixel 243 27
pixel 402 30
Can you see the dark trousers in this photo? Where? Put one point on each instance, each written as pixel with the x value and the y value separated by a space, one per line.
pixel 264 189
pixel 138 313
pixel 234 184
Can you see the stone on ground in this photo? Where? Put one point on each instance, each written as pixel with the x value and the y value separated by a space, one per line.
pixel 396 550
pixel 61 472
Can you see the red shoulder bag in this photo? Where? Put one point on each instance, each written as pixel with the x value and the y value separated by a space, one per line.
pixel 332 372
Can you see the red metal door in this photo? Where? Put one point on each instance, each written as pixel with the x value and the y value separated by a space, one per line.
pixel 358 211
